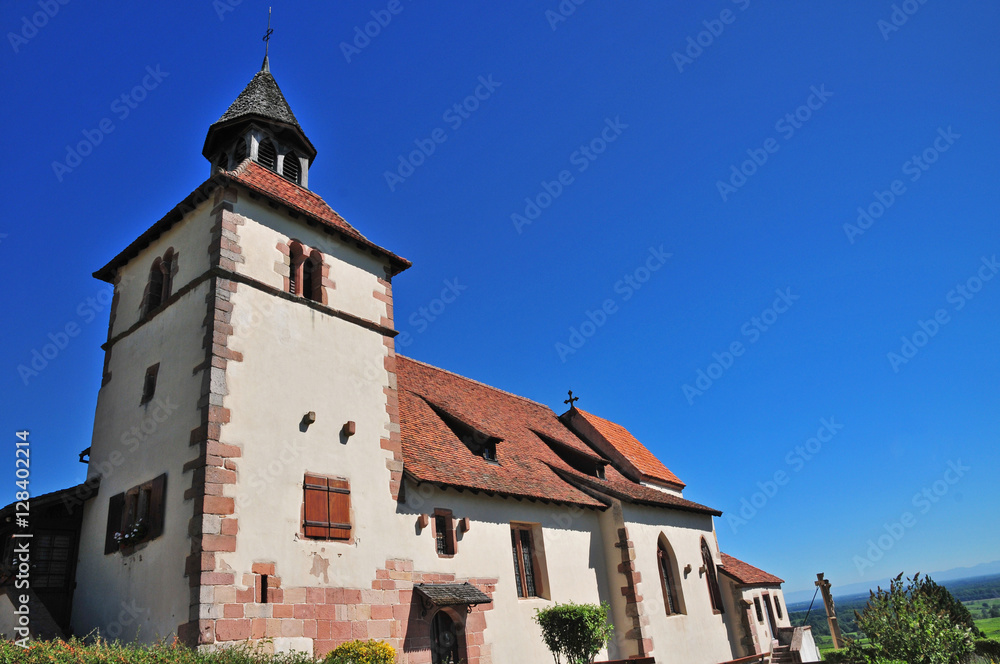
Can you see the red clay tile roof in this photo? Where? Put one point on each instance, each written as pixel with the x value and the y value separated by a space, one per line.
pixel 433 453
pixel 634 451
pixel 618 486
pixel 746 574
pixel 268 184
pixel 528 466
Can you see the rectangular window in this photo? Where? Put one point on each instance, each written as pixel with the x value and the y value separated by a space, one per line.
pixel 149 383
pixel 760 612
pixel 525 567
pixel 444 532
pixel 327 508
pixel 136 516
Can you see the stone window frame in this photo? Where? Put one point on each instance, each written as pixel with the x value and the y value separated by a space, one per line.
pixel 669 580
pixel 537 557
pixel 124 511
pixel 149 384
pixel 712 578
pixel 165 269
pixel 298 254
pixel 450 534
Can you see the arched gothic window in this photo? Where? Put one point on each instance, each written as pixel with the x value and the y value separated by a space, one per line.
pixel 160 279
pixel 712 577
pixel 154 296
pixel 669 583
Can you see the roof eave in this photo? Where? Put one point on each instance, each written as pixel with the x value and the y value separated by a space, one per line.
pixel 743 584
pixel 251 117
pixel 199 196
pixel 407 473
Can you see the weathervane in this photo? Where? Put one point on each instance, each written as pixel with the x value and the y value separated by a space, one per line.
pixel 571 399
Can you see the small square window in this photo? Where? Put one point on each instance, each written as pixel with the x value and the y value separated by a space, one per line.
pixel 444 533
pixel 149 383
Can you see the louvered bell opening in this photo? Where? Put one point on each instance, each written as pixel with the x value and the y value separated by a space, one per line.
pixel 291 168
pixel 241 151
pixel 267 156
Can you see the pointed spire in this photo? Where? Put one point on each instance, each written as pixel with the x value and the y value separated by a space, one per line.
pixel 265 66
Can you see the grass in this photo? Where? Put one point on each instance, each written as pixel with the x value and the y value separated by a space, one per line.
pixel 76 651
pixel 990 627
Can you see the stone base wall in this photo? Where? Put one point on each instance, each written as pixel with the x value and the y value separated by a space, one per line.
pixel 327 617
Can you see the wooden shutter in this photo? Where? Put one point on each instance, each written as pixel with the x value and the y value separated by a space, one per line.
pixel 516 551
pixel 115 507
pixel 340 509
pixel 157 506
pixel 317 508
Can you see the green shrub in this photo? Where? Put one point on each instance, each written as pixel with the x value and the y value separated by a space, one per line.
pixel 362 652
pixel 76 651
pixel 575 631
pixel 909 623
pixel 842 657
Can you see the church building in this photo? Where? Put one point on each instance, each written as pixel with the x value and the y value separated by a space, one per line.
pixel 265 467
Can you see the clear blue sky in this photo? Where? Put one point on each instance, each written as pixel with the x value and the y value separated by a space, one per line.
pixel 879 98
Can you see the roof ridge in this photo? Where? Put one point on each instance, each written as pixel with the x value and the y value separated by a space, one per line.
pixel 473 380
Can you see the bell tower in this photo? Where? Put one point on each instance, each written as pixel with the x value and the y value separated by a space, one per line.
pixel 260 126
pixel 250 363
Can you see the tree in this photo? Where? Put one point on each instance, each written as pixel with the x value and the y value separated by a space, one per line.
pixel 911 623
pixel 575 631
pixel 942 600
pixel 994 612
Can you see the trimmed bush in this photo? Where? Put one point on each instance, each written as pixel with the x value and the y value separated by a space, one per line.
pixel 362 652
pixel 575 631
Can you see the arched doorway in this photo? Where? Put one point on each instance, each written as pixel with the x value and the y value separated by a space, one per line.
pixel 446 639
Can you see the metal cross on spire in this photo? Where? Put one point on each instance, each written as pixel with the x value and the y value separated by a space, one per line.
pixel 571 399
pixel 267 42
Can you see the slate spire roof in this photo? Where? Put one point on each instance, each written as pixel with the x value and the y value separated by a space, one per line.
pixel 263 101
pixel 262 97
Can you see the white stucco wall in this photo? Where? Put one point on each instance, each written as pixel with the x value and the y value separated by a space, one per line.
pixel 699 636
pixel 354 271
pixel 190 239
pixel 144 594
